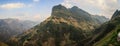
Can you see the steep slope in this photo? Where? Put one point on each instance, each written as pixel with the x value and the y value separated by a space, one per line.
pixel 116 14
pixel 112 37
pixel 10 27
pixel 65 27
pixel 81 13
pixel 106 34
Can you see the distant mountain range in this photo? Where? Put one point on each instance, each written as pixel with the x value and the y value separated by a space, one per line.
pixel 11 27
pixel 65 27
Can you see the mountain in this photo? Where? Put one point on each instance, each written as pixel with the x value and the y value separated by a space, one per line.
pixel 107 33
pixel 65 27
pixel 10 27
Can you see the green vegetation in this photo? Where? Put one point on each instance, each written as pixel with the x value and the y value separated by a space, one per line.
pixel 111 38
pixel 3 44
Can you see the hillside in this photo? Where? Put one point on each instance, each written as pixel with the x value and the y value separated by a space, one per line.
pixel 107 34
pixel 111 39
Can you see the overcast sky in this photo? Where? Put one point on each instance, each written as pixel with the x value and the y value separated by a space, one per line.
pixel 38 10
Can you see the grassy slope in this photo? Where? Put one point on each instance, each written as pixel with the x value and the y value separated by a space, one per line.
pixel 109 39
pixel 105 39
pixel 3 44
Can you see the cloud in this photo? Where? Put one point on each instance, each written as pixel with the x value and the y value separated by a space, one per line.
pixel 67 3
pixel 12 5
pixel 36 0
pixel 26 16
pixel 37 16
pixel 103 7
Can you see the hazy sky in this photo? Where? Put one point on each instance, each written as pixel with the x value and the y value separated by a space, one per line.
pixel 39 10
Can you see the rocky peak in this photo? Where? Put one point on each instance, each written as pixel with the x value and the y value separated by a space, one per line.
pixel 77 9
pixel 58 8
pixel 74 7
pixel 60 11
pixel 116 14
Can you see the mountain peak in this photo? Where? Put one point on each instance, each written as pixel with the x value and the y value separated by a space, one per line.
pixel 116 14
pixel 74 7
pixel 58 9
pixel 59 5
